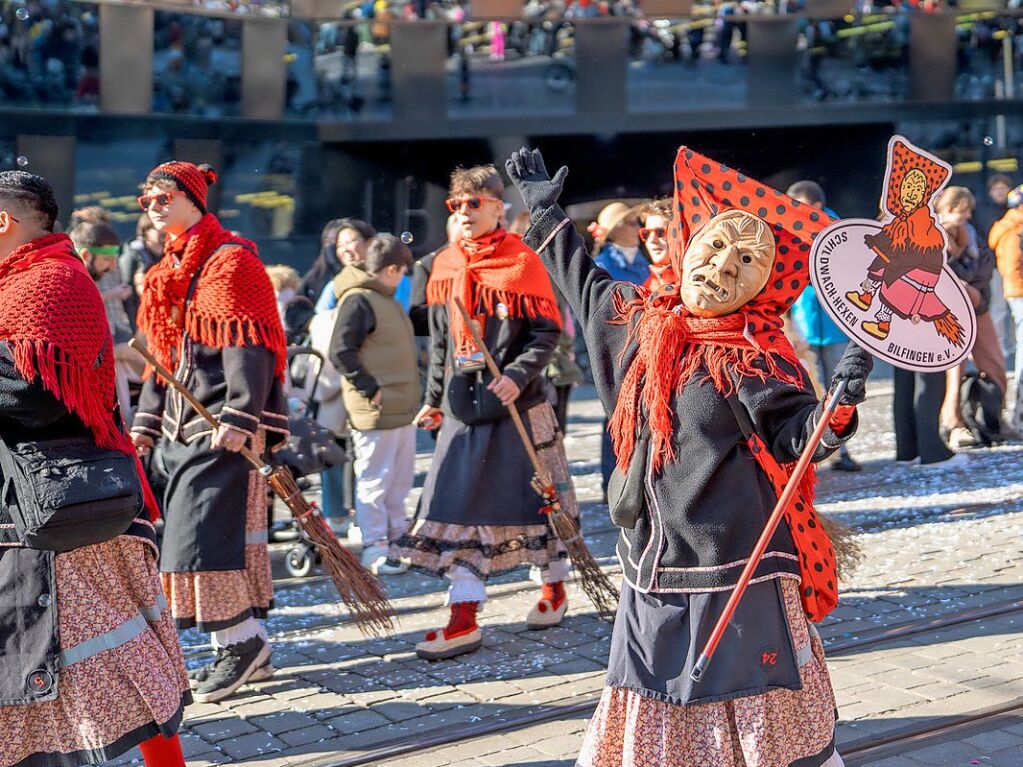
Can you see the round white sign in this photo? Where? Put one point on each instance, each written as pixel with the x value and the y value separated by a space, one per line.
pixel 913 319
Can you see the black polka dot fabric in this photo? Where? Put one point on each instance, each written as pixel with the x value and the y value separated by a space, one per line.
pixel 700 186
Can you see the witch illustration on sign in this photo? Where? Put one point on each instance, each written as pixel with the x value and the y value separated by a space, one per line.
pixel 907 285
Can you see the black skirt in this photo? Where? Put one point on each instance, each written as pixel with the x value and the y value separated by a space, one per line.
pixel 205 506
pixel 480 476
pixel 657 639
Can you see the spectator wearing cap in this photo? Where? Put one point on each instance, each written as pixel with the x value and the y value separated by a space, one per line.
pixel 1004 240
pixel 616 240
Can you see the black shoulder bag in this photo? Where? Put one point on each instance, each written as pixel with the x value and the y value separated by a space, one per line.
pixel 62 494
pixel 626 491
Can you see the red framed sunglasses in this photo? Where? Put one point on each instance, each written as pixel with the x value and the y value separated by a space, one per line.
pixel 660 232
pixel 163 199
pixel 474 202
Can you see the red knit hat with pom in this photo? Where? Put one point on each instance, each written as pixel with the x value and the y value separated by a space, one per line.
pixel 193 180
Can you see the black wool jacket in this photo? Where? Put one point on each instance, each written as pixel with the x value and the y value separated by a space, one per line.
pixel 706 510
pixel 521 347
pixel 29 642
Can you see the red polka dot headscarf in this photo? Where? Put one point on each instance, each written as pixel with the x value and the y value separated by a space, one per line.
pixel 704 188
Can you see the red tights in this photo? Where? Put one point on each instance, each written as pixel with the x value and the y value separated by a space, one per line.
pixel 162 752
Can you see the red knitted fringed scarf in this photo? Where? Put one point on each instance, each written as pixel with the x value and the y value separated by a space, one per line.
pixel 233 304
pixel 497 268
pixel 53 321
pixel 672 346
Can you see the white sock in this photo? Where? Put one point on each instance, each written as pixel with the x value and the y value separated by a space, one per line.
pixel 239 632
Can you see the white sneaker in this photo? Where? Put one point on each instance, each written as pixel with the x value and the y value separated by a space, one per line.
pixel 959 437
pixel 354 535
pixel 957 461
pixel 375 559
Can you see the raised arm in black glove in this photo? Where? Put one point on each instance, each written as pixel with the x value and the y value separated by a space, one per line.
pixel 539 191
pixel 854 367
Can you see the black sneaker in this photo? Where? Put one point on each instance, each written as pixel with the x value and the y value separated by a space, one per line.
pixel 199 675
pixel 845 462
pixel 234 667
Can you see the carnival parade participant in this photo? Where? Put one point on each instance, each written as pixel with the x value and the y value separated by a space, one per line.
pixel 208 312
pixel 711 409
pixel 478 515
pixel 91 663
pixel 654 235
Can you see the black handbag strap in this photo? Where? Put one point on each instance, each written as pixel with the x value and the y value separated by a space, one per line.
pixel 741 416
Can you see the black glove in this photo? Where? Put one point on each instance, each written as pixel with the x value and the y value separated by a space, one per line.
pixel 854 368
pixel 539 191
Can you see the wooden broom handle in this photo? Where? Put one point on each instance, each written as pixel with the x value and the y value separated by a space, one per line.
pixel 199 408
pixel 495 371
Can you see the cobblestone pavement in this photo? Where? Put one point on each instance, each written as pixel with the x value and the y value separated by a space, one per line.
pixel 935 543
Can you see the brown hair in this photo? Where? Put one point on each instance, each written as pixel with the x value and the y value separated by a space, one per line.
pixel 93 234
pixel 954 198
pixel 661 207
pixel 89 214
pixel 481 179
pixel 386 250
pixel 282 276
pixel 143 225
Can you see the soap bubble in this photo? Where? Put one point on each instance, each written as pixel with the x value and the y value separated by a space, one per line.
pixel 22 14
pixel 22 161
pixel 988 141
pixel 407 238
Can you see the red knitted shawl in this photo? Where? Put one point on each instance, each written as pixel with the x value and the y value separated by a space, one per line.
pixel 233 304
pixel 672 346
pixel 53 321
pixel 497 268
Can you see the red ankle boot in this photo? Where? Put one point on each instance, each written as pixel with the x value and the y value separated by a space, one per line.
pixel 550 609
pixel 462 635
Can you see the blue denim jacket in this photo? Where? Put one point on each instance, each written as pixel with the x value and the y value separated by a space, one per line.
pixel 613 261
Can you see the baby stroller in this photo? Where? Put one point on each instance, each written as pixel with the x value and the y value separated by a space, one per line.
pixel 310 448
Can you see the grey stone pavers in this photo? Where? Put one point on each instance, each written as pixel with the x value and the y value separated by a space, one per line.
pixel 337 692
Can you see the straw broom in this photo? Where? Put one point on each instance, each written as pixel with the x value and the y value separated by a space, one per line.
pixel 597 586
pixel 361 592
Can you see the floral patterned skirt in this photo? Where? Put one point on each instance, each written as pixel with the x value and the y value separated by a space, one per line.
pixel 779 728
pixel 214 600
pixel 437 546
pixel 115 697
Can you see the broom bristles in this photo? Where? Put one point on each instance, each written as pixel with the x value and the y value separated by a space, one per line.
pixel 848 552
pixel 594 582
pixel 361 592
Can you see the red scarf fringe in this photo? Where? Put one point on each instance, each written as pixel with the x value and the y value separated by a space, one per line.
pixel 233 304
pixel 497 268
pixel 50 324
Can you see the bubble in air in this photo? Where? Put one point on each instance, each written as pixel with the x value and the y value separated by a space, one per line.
pixel 988 141
pixel 22 14
pixel 22 161
pixel 407 238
